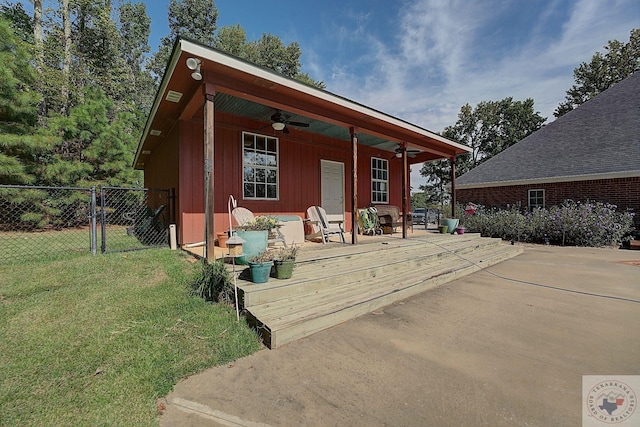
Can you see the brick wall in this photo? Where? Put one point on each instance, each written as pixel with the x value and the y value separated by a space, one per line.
pixel 623 192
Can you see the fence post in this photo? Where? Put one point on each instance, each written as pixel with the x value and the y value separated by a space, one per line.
pixel 103 221
pixel 94 228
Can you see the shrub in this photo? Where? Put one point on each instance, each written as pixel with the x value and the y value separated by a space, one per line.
pixel 214 283
pixel 571 223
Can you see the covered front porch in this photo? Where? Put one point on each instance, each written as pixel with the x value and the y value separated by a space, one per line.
pixel 276 145
pixel 337 282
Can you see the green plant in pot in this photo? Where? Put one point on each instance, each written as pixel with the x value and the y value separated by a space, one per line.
pixel 284 260
pixel 260 267
pixel 255 235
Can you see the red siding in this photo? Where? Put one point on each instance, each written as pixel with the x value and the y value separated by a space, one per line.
pixel 300 155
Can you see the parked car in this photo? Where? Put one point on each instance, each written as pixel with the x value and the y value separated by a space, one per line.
pixel 419 215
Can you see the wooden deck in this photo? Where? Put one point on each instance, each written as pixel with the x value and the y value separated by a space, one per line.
pixel 336 282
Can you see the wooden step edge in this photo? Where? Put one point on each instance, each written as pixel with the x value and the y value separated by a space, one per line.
pixel 347 266
pixel 299 308
pixel 336 294
pixel 280 334
pixel 389 246
pixel 310 284
pixel 311 254
pixel 264 294
pixel 279 337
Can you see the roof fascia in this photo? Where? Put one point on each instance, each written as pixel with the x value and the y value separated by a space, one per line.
pixel 269 76
pixel 550 180
pixel 175 55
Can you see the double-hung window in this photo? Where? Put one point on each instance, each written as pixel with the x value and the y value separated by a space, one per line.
pixel 259 166
pixel 536 199
pixel 379 180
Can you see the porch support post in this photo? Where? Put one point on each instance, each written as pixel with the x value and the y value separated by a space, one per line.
pixel 405 171
pixel 452 160
pixel 209 229
pixel 354 185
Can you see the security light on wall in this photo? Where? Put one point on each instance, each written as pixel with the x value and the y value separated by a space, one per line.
pixel 194 65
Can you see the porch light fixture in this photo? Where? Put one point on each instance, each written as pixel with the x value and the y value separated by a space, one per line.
pixel 277 125
pixel 194 65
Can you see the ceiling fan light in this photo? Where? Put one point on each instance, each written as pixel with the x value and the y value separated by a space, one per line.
pixel 277 125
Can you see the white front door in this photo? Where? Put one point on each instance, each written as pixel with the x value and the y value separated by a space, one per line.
pixel 332 189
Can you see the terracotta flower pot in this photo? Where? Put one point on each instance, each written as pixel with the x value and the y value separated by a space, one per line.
pixel 222 239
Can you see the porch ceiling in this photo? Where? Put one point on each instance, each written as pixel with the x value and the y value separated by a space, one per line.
pixel 247 90
pixel 245 108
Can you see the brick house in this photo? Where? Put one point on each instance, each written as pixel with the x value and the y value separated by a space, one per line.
pixel 591 153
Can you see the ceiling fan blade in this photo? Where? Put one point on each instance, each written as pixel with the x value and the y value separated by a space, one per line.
pixel 299 124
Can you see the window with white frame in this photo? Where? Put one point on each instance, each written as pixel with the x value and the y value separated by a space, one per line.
pixel 259 166
pixel 536 199
pixel 379 180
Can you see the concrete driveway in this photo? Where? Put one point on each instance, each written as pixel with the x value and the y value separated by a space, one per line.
pixel 483 350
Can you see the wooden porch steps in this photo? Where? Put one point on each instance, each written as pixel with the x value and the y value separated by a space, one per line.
pixel 336 283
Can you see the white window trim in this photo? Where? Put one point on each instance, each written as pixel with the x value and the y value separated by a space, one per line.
pixel 544 198
pixel 373 180
pixel 276 168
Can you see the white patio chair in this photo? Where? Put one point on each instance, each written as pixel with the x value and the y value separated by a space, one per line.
pixel 244 216
pixel 323 227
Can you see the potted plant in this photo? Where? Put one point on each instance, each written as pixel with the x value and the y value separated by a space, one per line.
pixel 255 235
pixel 260 267
pixel 451 223
pixel 284 261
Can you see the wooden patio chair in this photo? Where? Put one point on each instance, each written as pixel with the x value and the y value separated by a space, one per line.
pixel 244 216
pixel 323 227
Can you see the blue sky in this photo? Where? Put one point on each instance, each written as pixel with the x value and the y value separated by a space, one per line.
pixel 421 60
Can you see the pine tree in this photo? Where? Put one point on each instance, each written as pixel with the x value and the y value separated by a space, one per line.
pixel 19 149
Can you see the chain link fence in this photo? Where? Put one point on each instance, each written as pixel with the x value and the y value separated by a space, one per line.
pixel 45 223
pixel 134 218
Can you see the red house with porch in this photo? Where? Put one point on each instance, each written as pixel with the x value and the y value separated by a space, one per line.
pixel 221 126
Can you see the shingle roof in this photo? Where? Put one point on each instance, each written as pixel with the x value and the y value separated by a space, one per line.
pixel 600 137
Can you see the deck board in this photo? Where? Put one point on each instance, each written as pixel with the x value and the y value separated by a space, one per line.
pixel 337 282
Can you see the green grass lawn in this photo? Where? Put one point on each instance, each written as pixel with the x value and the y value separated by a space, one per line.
pixel 97 340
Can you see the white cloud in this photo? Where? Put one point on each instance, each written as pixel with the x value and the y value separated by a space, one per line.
pixel 446 54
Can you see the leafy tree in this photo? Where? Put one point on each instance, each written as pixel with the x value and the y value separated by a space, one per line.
pixel 491 127
pixel 233 40
pixel 487 129
pixel 193 19
pixel 270 52
pixel 135 27
pixel 604 70
pixel 438 173
pixel 20 21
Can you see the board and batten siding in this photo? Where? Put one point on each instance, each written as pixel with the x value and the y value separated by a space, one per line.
pixel 180 164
